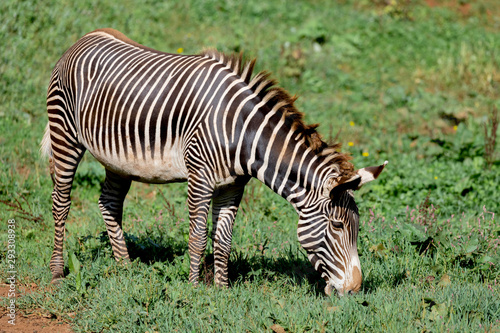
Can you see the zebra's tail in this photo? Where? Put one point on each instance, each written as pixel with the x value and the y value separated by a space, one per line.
pixel 46 144
pixel 46 150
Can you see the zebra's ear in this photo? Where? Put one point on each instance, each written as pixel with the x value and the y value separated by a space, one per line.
pixel 362 176
pixel 349 184
pixel 370 173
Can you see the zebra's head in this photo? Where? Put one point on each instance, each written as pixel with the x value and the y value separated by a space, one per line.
pixel 329 234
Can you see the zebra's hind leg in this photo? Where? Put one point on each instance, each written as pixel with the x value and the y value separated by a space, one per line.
pixel 199 197
pixel 66 156
pixel 224 208
pixel 113 194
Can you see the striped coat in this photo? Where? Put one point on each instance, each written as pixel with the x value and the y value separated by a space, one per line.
pixel 157 117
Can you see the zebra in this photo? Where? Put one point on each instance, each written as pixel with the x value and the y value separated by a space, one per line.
pixel 158 117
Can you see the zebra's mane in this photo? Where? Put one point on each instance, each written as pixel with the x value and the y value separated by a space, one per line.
pixel 280 100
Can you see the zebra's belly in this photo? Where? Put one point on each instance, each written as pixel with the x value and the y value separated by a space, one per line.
pixel 171 168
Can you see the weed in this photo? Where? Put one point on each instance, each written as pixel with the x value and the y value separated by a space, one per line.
pixel 168 205
pixel 22 209
pixel 490 137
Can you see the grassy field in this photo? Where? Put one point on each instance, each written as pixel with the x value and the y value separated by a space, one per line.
pixel 413 82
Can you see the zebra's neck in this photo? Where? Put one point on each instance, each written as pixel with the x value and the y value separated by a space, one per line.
pixel 280 158
pixel 299 175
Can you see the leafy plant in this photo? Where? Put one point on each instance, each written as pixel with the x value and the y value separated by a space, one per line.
pixel 74 268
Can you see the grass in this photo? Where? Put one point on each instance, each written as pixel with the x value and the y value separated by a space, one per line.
pixel 408 83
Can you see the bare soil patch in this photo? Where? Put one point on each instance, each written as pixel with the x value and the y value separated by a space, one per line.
pixel 487 9
pixel 33 320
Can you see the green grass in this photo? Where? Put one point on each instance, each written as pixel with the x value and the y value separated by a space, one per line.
pixel 405 82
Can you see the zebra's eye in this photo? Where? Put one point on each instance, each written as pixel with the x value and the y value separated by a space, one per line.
pixel 338 224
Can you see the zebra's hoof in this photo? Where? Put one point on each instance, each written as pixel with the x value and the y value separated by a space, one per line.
pixel 56 279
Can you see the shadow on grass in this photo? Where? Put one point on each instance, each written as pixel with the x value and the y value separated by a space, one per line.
pixel 253 267
pixel 243 266
pixel 145 248
pixel 149 249
pixel 154 249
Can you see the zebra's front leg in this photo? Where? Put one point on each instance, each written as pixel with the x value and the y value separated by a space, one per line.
pixel 199 197
pixel 113 194
pixel 224 209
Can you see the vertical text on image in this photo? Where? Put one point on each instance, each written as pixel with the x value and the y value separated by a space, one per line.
pixel 11 271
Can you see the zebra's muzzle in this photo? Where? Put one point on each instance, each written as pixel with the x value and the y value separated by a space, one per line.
pixel 330 289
